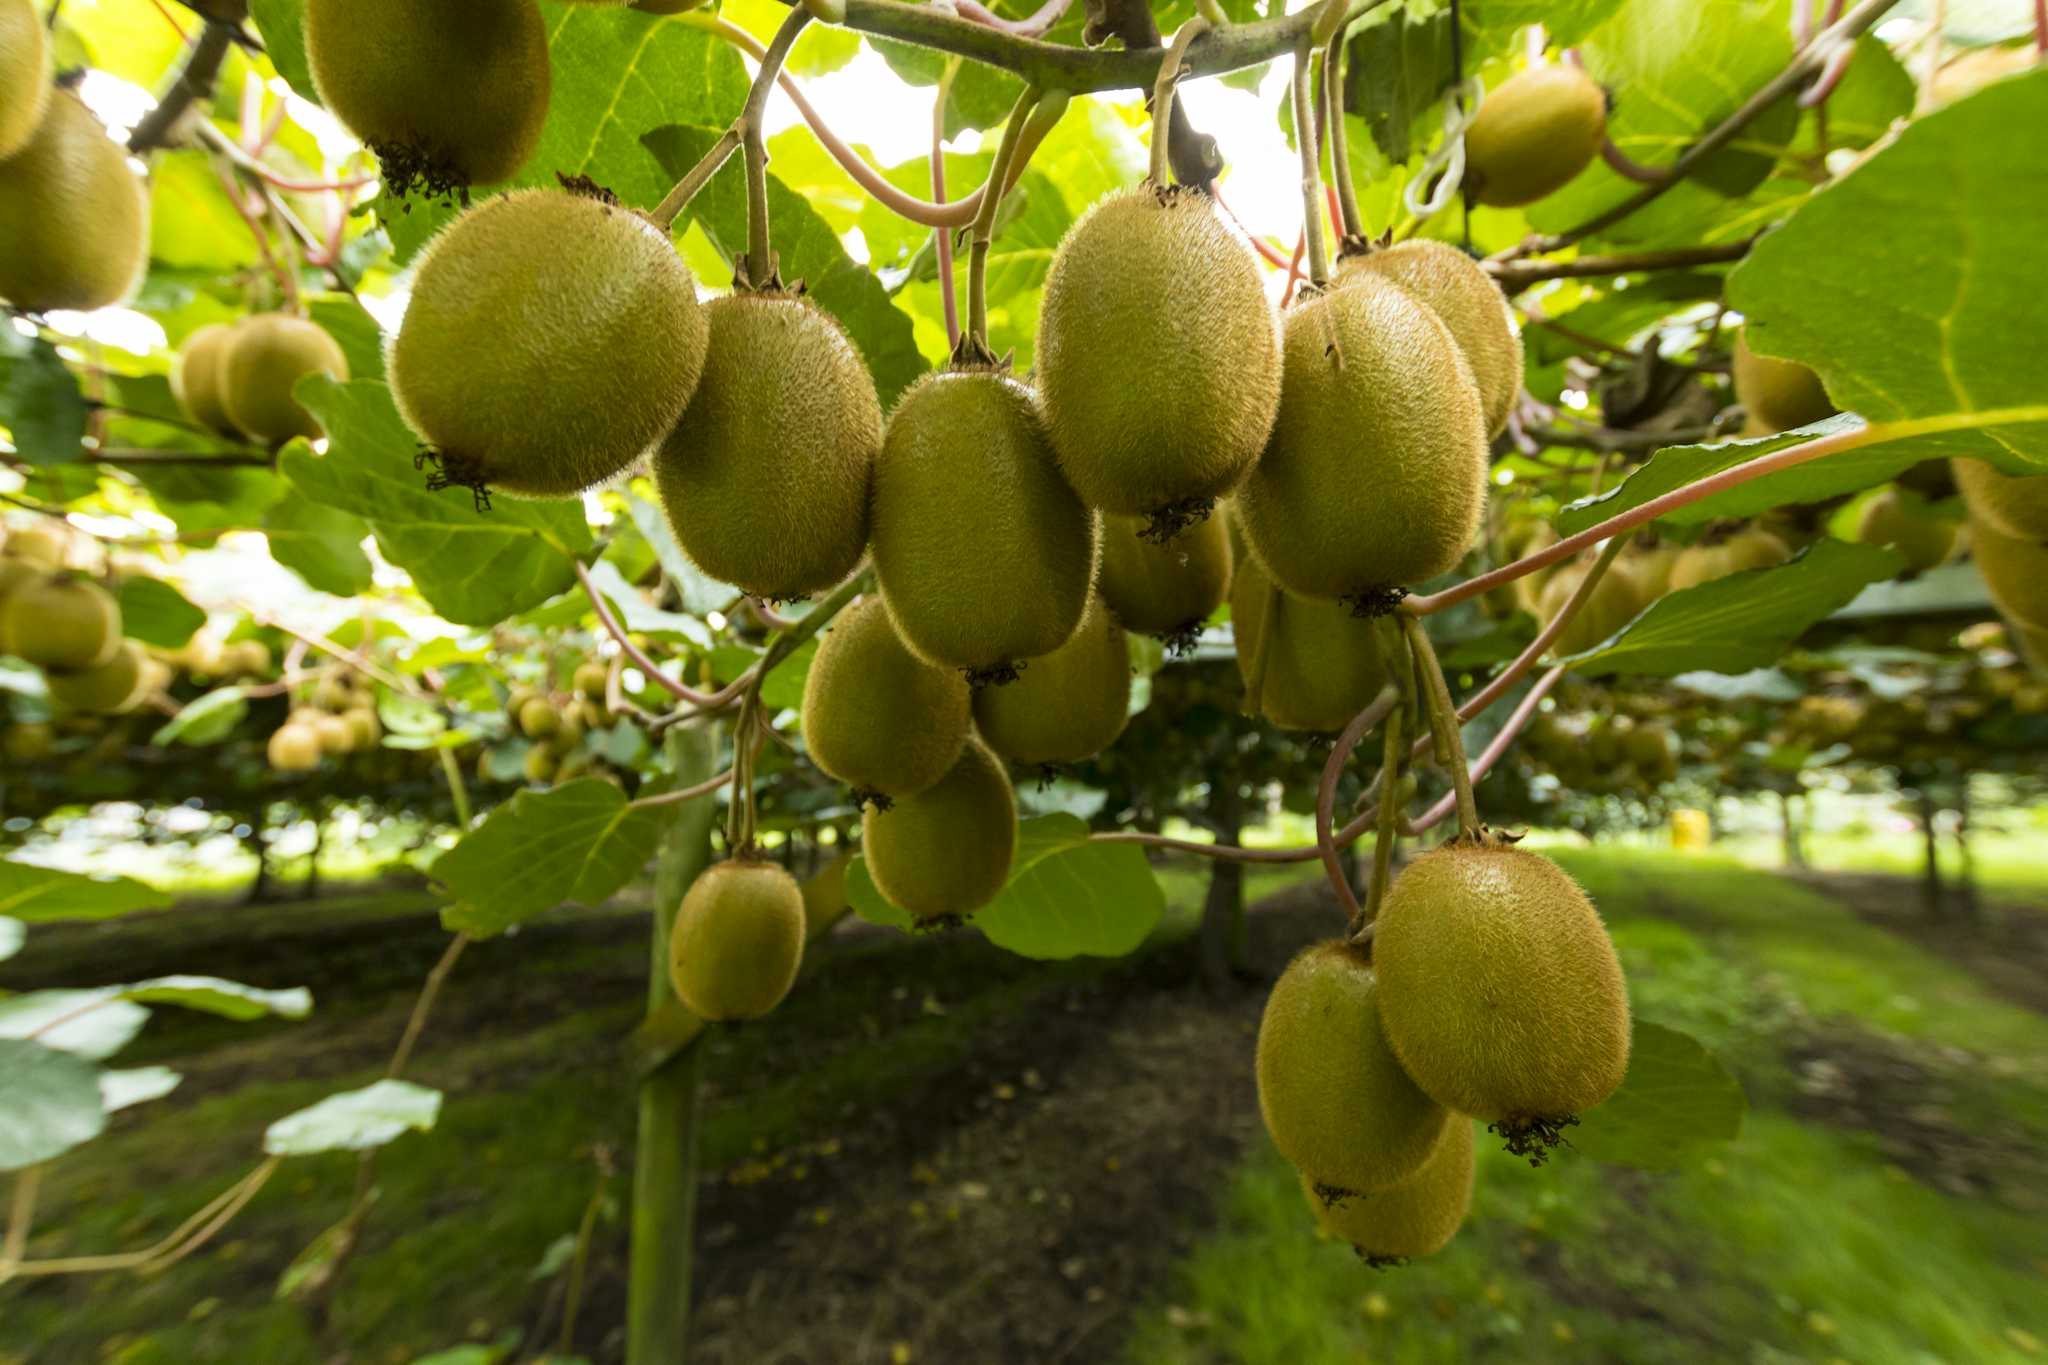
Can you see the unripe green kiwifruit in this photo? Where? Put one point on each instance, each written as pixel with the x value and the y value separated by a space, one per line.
pixel 1924 539
pixel 737 941
pixel 1417 1217
pixel 552 338
pixel 447 95
pixel 946 852
pixel 590 679
pixel 568 732
pixel 1158 279
pixel 541 764
pixel 42 544
pixel 2013 505
pixel 1776 395
pixel 2013 570
pixel 1615 601
pixel 1535 132
pixel 766 475
pixel 1653 569
pixel 265 357
pixel 197 373
pixel 1650 752
pixel 1306 664
pixel 109 689
pixel 1499 988
pixel 333 692
pixel 1065 706
pixel 877 717
pixel 516 699
pixel 1167 590
pixel 1750 548
pixel 1334 1099
pixel 365 731
pixel 1470 304
pixel 74 218
pixel 1375 476
pixel 295 749
pixel 337 736
pixel 64 622
pixel 247 659
pixel 538 718
pixel 24 74
pixel 983 553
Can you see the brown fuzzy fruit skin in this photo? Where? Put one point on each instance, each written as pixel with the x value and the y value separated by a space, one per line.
pixel 197 375
pixel 1615 601
pixel 458 88
pixel 2015 506
pixel 1752 548
pixel 552 339
pixel 877 717
pixel 1535 132
pixel 1417 1217
pixel 24 74
pixel 113 688
pixel 264 358
pixel 766 474
pixel 738 941
pixel 64 623
pixel 1375 476
pixel 983 553
pixel 1169 589
pixel 1452 285
pixel 1160 281
pixel 1499 988
pixel 1068 705
pixel 1776 395
pixel 1306 664
pixel 2014 571
pixel 1335 1101
pixel 74 219
pixel 947 851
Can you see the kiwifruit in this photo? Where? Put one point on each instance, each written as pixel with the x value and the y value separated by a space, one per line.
pixel 946 852
pixel 1776 395
pixel 365 731
pixel 516 699
pixel 1306 664
pixel 295 749
pixel 1375 476
pixel 538 718
pixel 1417 1217
pixel 63 622
pixel 877 717
pixel 1750 548
pixel 1615 601
pixel 541 764
pixel 1155 277
pixel 27 741
pixel 1068 705
pixel 824 893
pixel 248 659
pixel 74 218
pixel 43 544
pixel 1452 285
pixel 1499 988
pixel 1650 752
pixel 1334 1099
pixel 337 736
pixel 446 95
pixel 737 941
pixel 1167 590
pixel 983 553
pixel 569 730
pixel 765 476
pixel 1653 567
pixel 1535 132
pixel 335 690
pixel 157 676
pixel 590 679
pixel 196 376
pixel 24 74
pixel 108 689
pixel 265 357
pixel 1924 539
pixel 2013 571
pixel 2014 505
pixel 552 338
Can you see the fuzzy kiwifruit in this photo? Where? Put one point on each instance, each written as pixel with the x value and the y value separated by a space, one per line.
pixel 552 338
pixel 1776 395
pixel 1375 476
pixel 365 731
pixel 2016 505
pixel 45 544
pixel 337 736
pixel 1750 548
pixel 1535 132
pixel 2013 571
pixel 65 622
pixel 540 764
pixel 1615 601
pixel 1925 540
pixel 1499 988
pixel 447 95
pixel 1168 590
pixel 538 718
pixel 1653 565
pixel 737 941
pixel 1471 305
pixel 263 359
pixel 766 474
pixel 1307 664
pixel 111 688
pixel 247 659
pixel 74 218
pixel 946 852
pixel 1417 1217
pixel 295 748
pixel 590 680
pixel 1068 705
pixel 1334 1099
pixel 877 717
pixel 196 376
pixel 24 74
pixel 27 741
pixel 1158 279
pixel 983 553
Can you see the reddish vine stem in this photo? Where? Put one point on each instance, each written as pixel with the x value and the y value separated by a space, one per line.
pixel 1494 751
pixel 1515 276
pixel 942 238
pixel 1326 797
pixel 674 687
pixel 1032 26
pixel 1392 760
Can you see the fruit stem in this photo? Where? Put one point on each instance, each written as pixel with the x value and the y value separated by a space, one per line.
pixel 670 208
pixel 760 259
pixel 1443 713
pixel 1496 747
pixel 1023 112
pixel 1306 56
pixel 1326 796
pixel 458 790
pixel 1162 95
pixel 1340 149
pixel 942 237
pixel 1393 757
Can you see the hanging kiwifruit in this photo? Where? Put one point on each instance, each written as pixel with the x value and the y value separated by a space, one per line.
pixel 552 338
pixel 1334 1099
pixel 447 95
pixel 1653 565
pixel 1375 476
pixel 1923 539
pixel 24 74
pixel 1499 988
pixel 983 553
pixel 64 622
pixel 1306 664
pixel 2016 505
pixel 74 218
pixel 1615 601
pixel 1417 1217
pixel 197 376
pixel 877 717
pixel 45 544
pixel 1157 278
pixel 1776 395
pixel 765 476
pixel 295 748
pixel 263 359
pixel 111 688
pixel 538 718
pixel 737 941
pixel 1750 548
pixel 946 852
pixel 590 680
pixel 1068 705
pixel 1166 591
pixel 2013 570
pixel 1535 132
pixel 1470 304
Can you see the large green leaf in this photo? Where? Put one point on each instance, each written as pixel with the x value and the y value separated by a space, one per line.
pixel 213 995
pixel 355 1120
pixel 191 222
pixel 1676 1099
pixel 1492 27
pixel 581 841
pixel 156 613
pixel 12 934
pixel 283 26
pixel 40 404
pixel 208 719
pixel 49 1103
pixel 355 331
pixel 35 893
pixel 475 567
pixel 321 544
pixel 128 1086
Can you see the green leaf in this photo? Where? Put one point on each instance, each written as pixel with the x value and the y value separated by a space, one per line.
pixel 1494 27
pixel 582 841
pixel 1068 897
pixel 866 900
pixel 1745 620
pixel 40 404
pixel 13 933
pixel 475 568
pixel 52 1103
pixel 36 894
pixel 212 995
pixel 783 688
pixel 156 613
pixel 355 331
pixel 205 720
pixel 191 223
pixel 1396 74
pixel 1877 91
pixel 1676 1099
pixel 283 26
pixel 120 1089
pixel 94 1023
pixel 355 1120
pixel 322 545
pixel 639 617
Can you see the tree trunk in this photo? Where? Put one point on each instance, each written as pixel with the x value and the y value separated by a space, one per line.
pixel 312 887
pixel 259 890
pixel 1788 823
pixel 1223 949
pixel 1966 875
pixel 1930 875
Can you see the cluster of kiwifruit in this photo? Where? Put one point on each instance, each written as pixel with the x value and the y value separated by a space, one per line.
pixel 554 724
pixel 66 624
pixel 236 378
pixel 335 716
